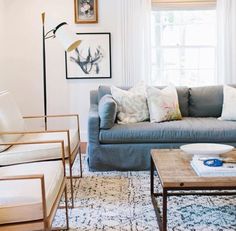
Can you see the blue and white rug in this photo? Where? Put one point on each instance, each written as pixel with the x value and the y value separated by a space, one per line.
pixel 121 201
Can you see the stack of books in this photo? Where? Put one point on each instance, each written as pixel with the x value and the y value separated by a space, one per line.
pixel 227 169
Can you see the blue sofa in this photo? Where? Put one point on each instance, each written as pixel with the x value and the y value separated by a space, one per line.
pixel 127 146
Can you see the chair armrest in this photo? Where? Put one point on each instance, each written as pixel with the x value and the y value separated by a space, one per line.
pixel 32 177
pixel 33 132
pixel 22 177
pixel 50 116
pixel 54 116
pixel 93 124
pixel 57 116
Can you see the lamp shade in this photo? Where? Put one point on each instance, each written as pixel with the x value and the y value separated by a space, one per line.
pixel 67 38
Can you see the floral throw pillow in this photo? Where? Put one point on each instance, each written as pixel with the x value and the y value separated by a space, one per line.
pixel 163 104
pixel 132 104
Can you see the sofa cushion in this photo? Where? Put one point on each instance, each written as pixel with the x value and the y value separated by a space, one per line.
pixel 187 130
pixel 183 95
pixel 10 119
pixel 37 152
pixel 163 104
pixel 107 109
pixel 205 101
pixel 22 200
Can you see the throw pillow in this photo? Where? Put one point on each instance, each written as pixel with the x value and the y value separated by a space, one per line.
pixel 132 104
pixel 205 101
pixel 229 102
pixel 163 104
pixel 107 110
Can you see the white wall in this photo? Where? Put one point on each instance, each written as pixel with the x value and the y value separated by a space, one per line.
pixel 23 58
pixel 1 35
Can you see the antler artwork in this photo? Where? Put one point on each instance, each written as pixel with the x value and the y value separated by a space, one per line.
pixel 89 63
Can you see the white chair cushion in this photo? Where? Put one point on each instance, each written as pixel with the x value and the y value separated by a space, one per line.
pixel 22 200
pixel 38 152
pixel 10 119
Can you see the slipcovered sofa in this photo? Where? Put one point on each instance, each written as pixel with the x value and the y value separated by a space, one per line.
pixel 127 146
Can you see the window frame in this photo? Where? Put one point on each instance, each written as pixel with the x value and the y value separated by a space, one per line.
pixel 181 46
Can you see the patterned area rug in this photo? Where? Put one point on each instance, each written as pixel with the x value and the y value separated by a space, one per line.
pixel 121 201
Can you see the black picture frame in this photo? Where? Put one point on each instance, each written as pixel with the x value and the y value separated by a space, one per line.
pixel 92 58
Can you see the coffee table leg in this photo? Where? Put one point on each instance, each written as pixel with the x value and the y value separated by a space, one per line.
pixel 161 224
pixel 152 177
pixel 164 210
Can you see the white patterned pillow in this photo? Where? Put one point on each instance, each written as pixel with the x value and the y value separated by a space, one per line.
pixel 229 102
pixel 163 104
pixel 132 104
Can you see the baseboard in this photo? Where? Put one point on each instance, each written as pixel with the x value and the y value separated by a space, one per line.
pixel 83 146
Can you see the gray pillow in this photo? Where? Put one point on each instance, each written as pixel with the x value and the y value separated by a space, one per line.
pixel 206 101
pixel 107 109
pixel 183 95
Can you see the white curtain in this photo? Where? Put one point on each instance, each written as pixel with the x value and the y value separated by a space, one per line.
pixel 135 40
pixel 226 39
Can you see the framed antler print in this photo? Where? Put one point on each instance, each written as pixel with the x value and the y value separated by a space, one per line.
pixel 91 59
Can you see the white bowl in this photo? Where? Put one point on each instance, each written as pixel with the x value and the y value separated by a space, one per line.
pixel 206 149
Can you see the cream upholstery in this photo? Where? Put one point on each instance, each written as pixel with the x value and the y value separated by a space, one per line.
pixel 10 119
pixel 22 200
pixel 28 153
pixel 26 150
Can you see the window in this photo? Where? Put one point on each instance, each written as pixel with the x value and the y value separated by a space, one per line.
pixel 184 47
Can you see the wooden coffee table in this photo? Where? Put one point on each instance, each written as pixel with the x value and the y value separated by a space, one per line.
pixel 176 174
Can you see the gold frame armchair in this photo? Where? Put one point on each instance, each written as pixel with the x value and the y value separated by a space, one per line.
pixel 45 219
pixel 12 125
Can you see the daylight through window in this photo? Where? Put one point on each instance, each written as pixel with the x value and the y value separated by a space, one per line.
pixel 184 47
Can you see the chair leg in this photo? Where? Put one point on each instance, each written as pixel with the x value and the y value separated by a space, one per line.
pixel 45 225
pixel 75 177
pixel 66 208
pixel 80 161
pixel 81 168
pixel 71 184
pixel 67 217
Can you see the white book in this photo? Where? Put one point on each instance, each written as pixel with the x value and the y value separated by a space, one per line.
pixel 202 170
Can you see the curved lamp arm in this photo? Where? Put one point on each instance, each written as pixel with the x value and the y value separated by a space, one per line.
pixel 68 40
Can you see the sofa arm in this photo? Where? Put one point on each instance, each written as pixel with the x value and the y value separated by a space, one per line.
pixel 93 124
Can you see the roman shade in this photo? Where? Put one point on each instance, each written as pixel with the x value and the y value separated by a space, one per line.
pixel 182 4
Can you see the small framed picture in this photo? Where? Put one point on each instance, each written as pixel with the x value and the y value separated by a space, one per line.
pixel 86 11
pixel 91 59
